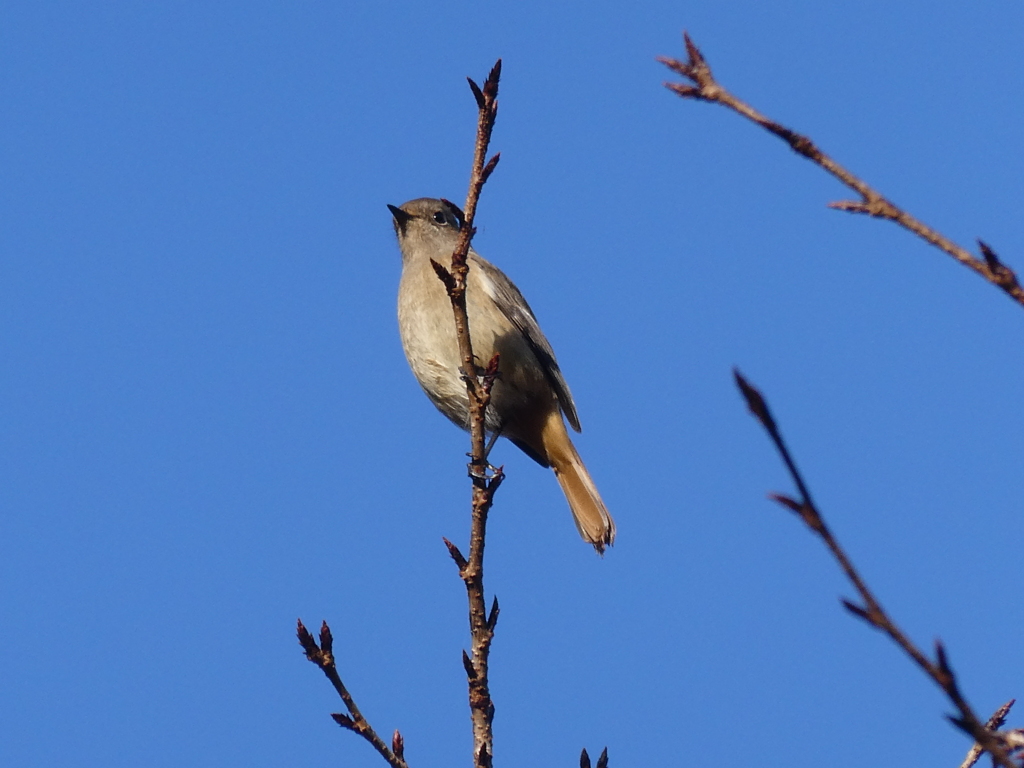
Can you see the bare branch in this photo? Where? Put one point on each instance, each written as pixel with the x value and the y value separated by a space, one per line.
pixel 478 388
pixel 323 656
pixel 994 723
pixel 871 611
pixel 454 279
pixel 705 88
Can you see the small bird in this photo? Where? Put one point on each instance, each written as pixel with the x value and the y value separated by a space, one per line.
pixel 530 395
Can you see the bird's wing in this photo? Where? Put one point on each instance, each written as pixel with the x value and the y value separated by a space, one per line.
pixel 512 304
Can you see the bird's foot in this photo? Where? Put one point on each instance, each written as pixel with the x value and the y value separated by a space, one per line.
pixel 485 471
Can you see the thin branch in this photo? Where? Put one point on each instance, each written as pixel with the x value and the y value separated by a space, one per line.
pixel 323 656
pixel 871 611
pixel 705 88
pixel 455 278
pixel 478 388
pixel 997 721
pixel 602 761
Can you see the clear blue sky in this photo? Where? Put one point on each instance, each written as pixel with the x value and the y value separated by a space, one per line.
pixel 208 428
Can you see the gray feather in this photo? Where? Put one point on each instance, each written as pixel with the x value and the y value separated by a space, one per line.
pixel 512 304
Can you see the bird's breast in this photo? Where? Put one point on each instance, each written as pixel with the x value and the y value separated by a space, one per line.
pixel 427 326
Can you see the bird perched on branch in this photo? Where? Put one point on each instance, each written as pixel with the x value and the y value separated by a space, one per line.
pixel 530 396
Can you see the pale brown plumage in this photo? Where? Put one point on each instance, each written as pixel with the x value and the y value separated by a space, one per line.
pixel 530 395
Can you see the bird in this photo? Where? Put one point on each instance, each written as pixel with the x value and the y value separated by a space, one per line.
pixel 530 396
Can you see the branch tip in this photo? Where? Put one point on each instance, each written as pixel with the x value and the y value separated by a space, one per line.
pixel 998 719
pixel 477 93
pixel 456 555
pixel 326 638
pixel 398 745
pixel 856 610
pixel 990 256
pixel 491 84
pixel 941 659
pixel 962 725
pixel 675 65
pixel 444 276
pixel 492 618
pixel 755 401
pixel 467 663
pixel 492 366
pixel 306 640
pixel 686 91
pixel 692 51
pixel 787 501
pixel 343 720
pixel 1002 275
pixel 851 206
pixel 491 165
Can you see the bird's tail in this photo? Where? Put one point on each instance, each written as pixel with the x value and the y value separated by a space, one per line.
pixel 593 520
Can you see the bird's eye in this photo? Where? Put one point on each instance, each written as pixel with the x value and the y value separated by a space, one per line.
pixel 439 217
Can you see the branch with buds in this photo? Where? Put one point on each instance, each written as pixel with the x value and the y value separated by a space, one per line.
pixel 478 388
pixel 1001 745
pixel 323 656
pixel 703 87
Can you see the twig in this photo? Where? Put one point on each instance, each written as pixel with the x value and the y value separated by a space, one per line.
pixel 994 723
pixel 705 88
pixel 602 761
pixel 478 388
pixel 323 656
pixel 455 278
pixel 871 611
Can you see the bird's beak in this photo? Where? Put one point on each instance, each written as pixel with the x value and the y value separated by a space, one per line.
pixel 401 217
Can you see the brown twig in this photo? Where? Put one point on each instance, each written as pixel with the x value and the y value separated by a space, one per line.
pixel 478 388
pixel 994 723
pixel 870 610
pixel 602 761
pixel 323 656
pixel 455 278
pixel 705 88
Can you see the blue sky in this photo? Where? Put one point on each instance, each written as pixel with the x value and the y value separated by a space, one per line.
pixel 208 429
